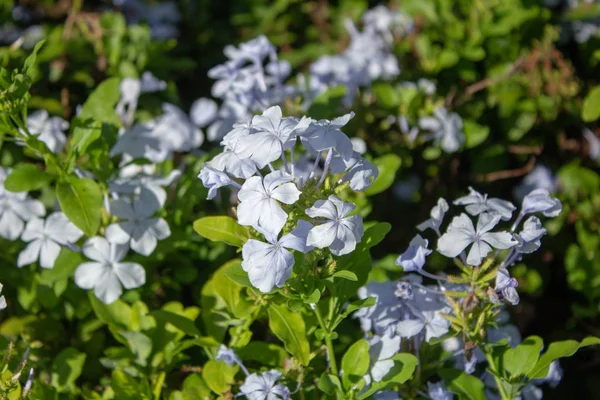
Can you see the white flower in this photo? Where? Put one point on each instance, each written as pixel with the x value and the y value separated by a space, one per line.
pixel 48 129
pixel 259 198
pixel 437 216
pixel 230 162
pixel 270 264
pixel 438 391
pixel 137 227
pixel 273 135
pixel 263 387
pixel 540 200
pixel 46 238
pixel 227 355
pixel 529 237
pixel 203 112
pixel 16 208
pixel 446 128
pixel 433 322
pixel 359 172
pixel 341 232
pixel 214 179
pixel 594 144
pixel 413 259
pixel 381 350
pixel 324 135
pixel 135 184
pixel 461 234
pixel 140 142
pixel 150 83
pixel 506 286
pixel 107 273
pixel 176 131
pixel 2 300
pixel 476 203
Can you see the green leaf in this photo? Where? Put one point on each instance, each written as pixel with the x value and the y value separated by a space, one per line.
pixel 128 388
pixel 66 368
pixel 100 105
pixel 65 265
pixel 31 58
pixel 290 329
pixel 329 384
pixel 117 313
pixel 327 104
pixel 265 353
pixel 466 386
pixel 84 133
pixel 235 272
pixel 139 344
pixel 475 133
pixel 404 368
pixel 222 229
pixel 591 106
pixel 226 289
pixel 387 166
pixel 81 201
pixel 219 376
pixel 348 275
pixel 25 178
pixel 386 95
pixel 184 324
pixel 558 350
pixel 355 363
pixel 521 360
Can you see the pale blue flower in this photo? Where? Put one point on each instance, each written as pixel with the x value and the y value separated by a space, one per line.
pixel 203 111
pixel 137 226
pixel 323 135
pixel 107 273
pixel 46 238
pixel 433 322
pixel 16 209
pixel 540 200
pixel 140 142
pixel 413 259
pixel 358 171
pixel 341 232
pixel 49 130
pixel 381 350
pixel 270 264
pixel 436 217
pixel 260 199
pixel 214 179
pixel 176 131
pixel 506 287
pixel 461 234
pixel 540 177
pixel 593 142
pixel 2 299
pixel 265 387
pixel 476 203
pixel 446 129
pixel 438 391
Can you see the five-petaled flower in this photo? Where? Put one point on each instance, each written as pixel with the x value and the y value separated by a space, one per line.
pixel 107 273
pixel 264 387
pixel 341 232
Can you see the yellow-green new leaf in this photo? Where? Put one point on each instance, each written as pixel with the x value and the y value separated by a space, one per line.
pixel 290 329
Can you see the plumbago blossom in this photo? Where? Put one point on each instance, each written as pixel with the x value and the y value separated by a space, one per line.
pixel 290 174
pixel 2 299
pixel 409 313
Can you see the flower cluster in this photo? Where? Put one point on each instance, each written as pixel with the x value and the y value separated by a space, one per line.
pixel 289 173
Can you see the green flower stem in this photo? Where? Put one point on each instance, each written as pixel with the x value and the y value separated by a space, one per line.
pixel 503 394
pixel 328 341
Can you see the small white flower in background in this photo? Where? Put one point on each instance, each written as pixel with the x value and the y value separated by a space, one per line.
pixel 461 234
pixel 340 233
pixel 106 274
pixel 203 112
pixel 437 216
pixel 264 387
pixel 227 355
pixel 381 350
pixel 150 83
pixel 358 145
pixel 323 135
pixel 433 322
pixel 409 133
pixel 2 299
pixel 136 183
pixel 540 177
pixel 137 227
pixel 49 130
pixel 594 143
pixel 476 203
pixel 386 395
pixel 46 238
pixel 427 86
pixel 175 130
pixel 540 201
pixel 16 208
pixel 438 391
pixel 413 259
pixel 259 198
pixel 140 142
pixel 270 264
pixel 214 179
pixel 446 129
